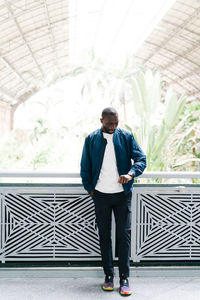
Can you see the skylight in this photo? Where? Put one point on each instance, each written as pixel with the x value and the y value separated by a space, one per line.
pixel 113 29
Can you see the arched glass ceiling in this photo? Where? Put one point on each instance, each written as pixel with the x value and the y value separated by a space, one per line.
pixel 33 43
pixel 113 29
pixel 42 37
pixel 173 47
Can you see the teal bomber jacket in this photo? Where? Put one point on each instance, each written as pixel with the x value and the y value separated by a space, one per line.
pixel 129 157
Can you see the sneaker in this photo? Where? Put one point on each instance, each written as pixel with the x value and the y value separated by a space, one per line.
pixel 124 288
pixel 108 283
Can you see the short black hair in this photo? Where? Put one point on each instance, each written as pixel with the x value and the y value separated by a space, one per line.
pixel 109 111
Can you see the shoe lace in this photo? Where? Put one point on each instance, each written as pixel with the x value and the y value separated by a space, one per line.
pixel 124 282
pixel 109 278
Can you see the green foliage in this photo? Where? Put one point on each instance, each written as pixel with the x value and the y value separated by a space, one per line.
pixel 165 125
pixel 186 139
pixel 157 120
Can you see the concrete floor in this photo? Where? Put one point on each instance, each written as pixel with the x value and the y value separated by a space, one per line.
pixel 144 288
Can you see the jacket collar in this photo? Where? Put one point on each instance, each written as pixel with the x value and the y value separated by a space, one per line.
pixel 115 132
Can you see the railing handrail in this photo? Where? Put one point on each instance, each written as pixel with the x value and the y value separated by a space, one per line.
pixel 146 174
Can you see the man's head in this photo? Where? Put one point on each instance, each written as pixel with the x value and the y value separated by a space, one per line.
pixel 109 120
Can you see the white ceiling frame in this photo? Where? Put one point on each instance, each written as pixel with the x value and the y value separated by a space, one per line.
pixel 175 33
pixel 23 38
pixel 6 19
pixel 24 97
pixel 165 75
pixel 8 65
pixel 171 81
pixel 194 72
pixel 183 55
pixel 7 95
pixel 195 94
pixel 181 78
pixel 51 34
pixel 186 29
pixel 174 53
pixel 179 83
pixel 28 32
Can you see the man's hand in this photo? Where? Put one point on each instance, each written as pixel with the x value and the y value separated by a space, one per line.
pixel 91 193
pixel 124 178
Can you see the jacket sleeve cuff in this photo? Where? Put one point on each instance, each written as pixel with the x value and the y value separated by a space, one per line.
pixel 89 190
pixel 131 173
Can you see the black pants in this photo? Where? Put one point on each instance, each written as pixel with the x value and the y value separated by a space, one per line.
pixel 120 204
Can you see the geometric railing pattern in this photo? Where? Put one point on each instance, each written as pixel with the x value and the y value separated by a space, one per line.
pixel 58 224
pixel 166 225
pixel 47 225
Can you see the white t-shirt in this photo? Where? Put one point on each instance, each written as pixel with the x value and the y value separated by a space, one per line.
pixel 107 182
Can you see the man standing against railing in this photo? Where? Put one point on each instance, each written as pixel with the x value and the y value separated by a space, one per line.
pixel 108 171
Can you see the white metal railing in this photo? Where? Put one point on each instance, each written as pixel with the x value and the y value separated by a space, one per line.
pixel 44 222
pixel 166 223
pixel 77 175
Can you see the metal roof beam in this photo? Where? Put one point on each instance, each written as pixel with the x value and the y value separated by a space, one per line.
pixel 195 94
pixel 172 81
pixel 4 18
pixel 36 28
pixel 178 82
pixel 196 71
pixel 183 55
pixel 167 76
pixel 186 29
pixel 169 83
pixel 8 65
pixel 7 95
pixel 172 52
pixel 24 97
pixel 176 32
pixel 22 36
pixel 181 78
pixel 51 34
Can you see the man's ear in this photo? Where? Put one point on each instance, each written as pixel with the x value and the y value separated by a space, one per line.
pixel 101 120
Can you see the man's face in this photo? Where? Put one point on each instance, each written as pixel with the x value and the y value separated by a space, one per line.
pixel 109 123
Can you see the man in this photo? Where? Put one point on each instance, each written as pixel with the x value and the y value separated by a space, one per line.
pixel 107 174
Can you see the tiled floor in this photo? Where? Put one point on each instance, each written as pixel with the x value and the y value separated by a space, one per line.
pixel 151 288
